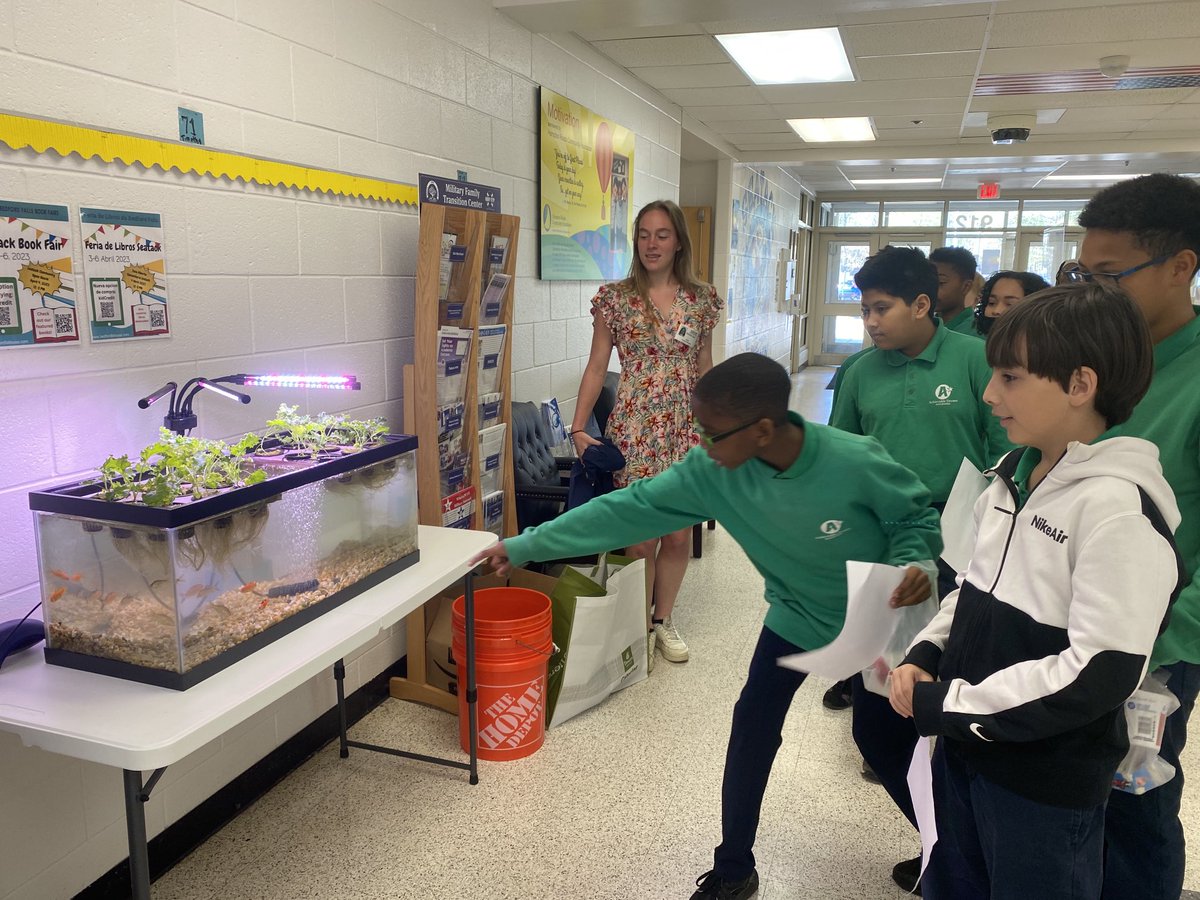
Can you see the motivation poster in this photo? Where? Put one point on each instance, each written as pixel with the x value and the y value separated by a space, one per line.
pixel 37 281
pixel 123 263
pixel 586 183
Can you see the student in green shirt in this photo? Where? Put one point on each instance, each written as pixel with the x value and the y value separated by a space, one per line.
pixel 801 499
pixel 956 270
pixel 919 392
pixel 1144 234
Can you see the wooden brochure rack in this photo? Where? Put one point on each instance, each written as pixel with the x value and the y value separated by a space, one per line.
pixel 450 286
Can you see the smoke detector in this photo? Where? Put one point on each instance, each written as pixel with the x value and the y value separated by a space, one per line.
pixel 1010 128
pixel 1114 66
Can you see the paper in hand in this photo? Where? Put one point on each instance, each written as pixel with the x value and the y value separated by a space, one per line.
pixel 958 517
pixel 920 786
pixel 870 622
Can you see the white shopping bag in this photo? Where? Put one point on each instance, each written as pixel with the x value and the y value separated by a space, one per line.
pixel 600 628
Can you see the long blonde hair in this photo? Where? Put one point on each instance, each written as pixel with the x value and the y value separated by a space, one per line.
pixel 639 278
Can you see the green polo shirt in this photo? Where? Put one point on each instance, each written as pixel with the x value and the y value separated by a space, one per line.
pixel 843 498
pixel 927 411
pixel 1169 416
pixel 964 323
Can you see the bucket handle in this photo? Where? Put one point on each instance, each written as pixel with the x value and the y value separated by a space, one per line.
pixel 549 653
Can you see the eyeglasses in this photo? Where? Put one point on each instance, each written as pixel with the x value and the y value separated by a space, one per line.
pixel 1079 275
pixel 709 439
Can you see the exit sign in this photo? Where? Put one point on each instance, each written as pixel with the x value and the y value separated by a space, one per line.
pixel 989 190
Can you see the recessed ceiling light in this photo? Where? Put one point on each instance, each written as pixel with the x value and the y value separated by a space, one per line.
pixel 895 181
pixel 1096 177
pixel 812 55
pixel 819 131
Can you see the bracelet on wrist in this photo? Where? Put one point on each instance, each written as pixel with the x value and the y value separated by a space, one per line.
pixel 577 431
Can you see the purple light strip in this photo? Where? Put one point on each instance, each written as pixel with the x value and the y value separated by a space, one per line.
pixel 331 382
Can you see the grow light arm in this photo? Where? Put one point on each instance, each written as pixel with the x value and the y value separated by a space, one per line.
pixel 150 399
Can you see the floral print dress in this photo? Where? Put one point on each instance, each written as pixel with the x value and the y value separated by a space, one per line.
pixel 651 421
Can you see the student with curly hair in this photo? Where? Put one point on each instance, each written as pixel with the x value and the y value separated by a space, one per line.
pixel 1144 234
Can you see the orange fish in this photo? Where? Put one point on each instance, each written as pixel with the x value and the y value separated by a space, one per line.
pixel 110 598
pixel 76 576
pixel 263 605
pixel 59 573
pixel 248 586
pixel 56 593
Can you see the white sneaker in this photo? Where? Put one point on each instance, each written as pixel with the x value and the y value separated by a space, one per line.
pixel 651 639
pixel 670 644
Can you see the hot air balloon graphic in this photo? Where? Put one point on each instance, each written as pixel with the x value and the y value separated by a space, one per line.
pixel 604 156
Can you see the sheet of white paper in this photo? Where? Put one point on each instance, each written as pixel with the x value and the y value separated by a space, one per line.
pixel 869 624
pixel 920 786
pixel 958 518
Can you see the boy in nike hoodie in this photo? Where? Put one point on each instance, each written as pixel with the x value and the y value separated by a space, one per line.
pixel 1024 671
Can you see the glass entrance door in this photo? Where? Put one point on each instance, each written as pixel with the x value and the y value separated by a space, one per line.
pixel 1043 253
pixel 837 329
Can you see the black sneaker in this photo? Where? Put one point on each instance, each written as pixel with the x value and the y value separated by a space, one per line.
pixel 710 886
pixel 907 874
pixel 838 696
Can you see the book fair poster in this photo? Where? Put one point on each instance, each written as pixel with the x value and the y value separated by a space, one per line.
pixel 586 185
pixel 37 281
pixel 125 273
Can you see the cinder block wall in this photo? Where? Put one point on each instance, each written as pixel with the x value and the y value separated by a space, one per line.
pixel 265 279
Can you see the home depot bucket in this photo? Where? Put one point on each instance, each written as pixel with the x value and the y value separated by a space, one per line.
pixel 513 643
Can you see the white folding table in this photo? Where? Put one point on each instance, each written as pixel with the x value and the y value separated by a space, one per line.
pixel 138 727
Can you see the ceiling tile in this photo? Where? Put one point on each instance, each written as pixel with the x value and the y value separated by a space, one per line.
pixel 947 121
pixel 926 88
pixel 916 108
pixel 712 75
pixel 917 65
pixel 950 33
pixel 1080 99
pixel 714 114
pixel 1084 55
pixel 667 51
pixel 723 96
pixel 1116 23
pixel 628 32
pixel 756 126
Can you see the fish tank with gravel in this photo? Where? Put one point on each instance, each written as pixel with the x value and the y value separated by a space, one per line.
pixel 170 588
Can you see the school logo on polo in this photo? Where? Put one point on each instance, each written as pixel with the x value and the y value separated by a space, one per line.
pixel 830 529
pixel 941 395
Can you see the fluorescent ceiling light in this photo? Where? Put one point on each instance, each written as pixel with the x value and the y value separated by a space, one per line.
pixel 895 181
pixel 818 131
pixel 1120 177
pixel 789 57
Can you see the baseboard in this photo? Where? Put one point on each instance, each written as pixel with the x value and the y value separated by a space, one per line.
pixel 185 835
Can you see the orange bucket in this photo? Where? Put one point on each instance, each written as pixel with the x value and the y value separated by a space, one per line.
pixel 513 643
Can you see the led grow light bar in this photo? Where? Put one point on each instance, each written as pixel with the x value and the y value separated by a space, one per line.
pixel 328 382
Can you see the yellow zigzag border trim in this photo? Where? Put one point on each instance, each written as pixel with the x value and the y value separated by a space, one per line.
pixel 19 132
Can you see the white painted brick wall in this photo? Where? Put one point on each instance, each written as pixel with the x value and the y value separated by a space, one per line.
pixel 266 278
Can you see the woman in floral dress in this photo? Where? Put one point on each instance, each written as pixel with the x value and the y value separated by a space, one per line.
pixel 660 319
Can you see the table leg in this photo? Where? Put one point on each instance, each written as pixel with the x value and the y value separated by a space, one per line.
pixel 135 822
pixel 472 693
pixel 339 678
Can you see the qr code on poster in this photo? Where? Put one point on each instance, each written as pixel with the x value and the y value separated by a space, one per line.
pixel 64 324
pixel 158 318
pixel 107 309
pixel 6 319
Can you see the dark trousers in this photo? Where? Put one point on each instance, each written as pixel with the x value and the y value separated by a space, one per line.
pixel 754 740
pixel 886 741
pixel 1144 845
pixel 997 845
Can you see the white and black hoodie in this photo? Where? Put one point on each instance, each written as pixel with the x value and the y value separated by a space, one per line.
pixel 1052 626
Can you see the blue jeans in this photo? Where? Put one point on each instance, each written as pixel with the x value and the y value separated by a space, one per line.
pixel 754 740
pixel 997 845
pixel 1144 845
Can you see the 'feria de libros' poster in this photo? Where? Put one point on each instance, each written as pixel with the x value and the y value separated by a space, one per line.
pixel 37 284
pixel 587 180
pixel 126 274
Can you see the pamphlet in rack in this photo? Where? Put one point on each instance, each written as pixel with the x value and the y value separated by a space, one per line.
pixel 491 353
pixel 493 297
pixel 458 508
pixel 493 513
pixel 454 348
pixel 489 409
pixel 491 458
